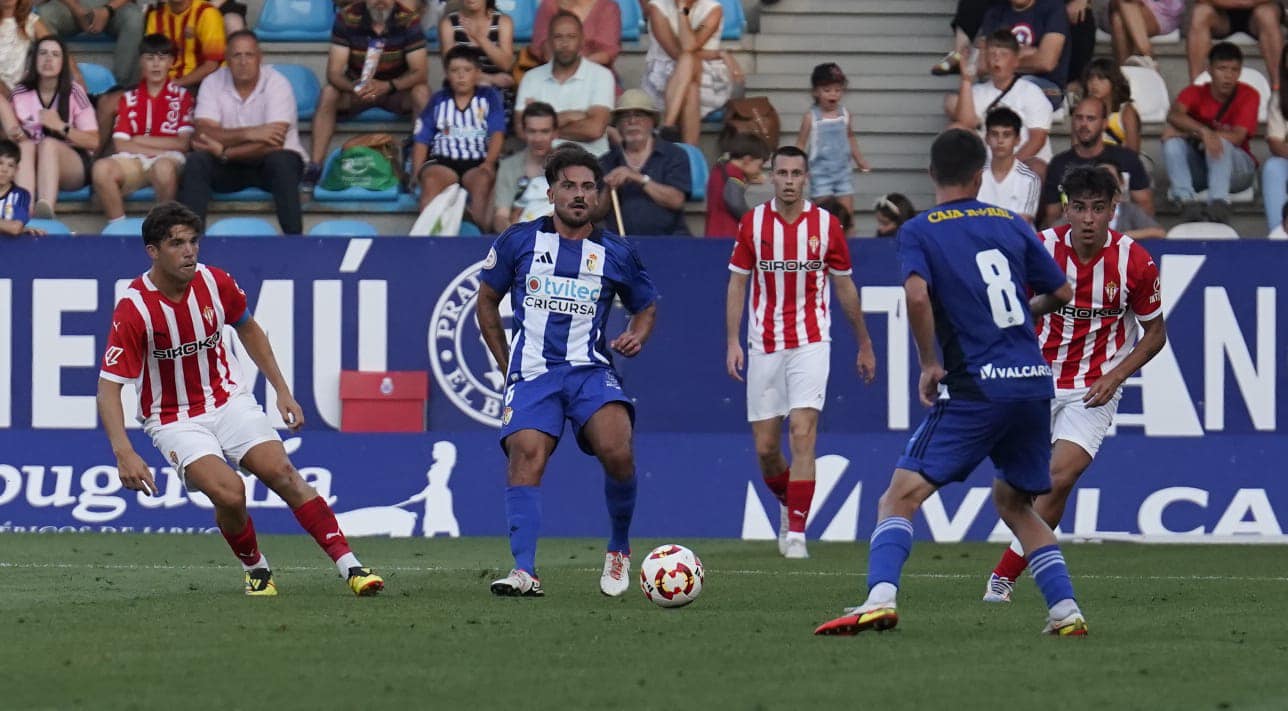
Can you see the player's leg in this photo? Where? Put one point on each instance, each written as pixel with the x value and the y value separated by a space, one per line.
pixel 767 405
pixel 805 372
pixel 212 476
pixel 608 436
pixel 527 452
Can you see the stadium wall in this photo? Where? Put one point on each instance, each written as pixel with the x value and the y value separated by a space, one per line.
pixel 1196 454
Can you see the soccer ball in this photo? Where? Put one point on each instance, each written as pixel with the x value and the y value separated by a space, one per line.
pixel 671 576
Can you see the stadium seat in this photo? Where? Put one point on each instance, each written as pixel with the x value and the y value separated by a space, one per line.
pixel 343 228
pixel 1148 93
pixel 129 227
pixel 49 227
pixel 699 171
pixel 734 20
pixel 469 229
pixel 1243 197
pixel 1252 78
pixel 1104 39
pixel 305 86
pixel 1202 230
pixel 632 19
pixel 374 114
pixel 295 21
pixel 243 195
pixel 321 194
pixel 143 194
pixel 242 227
pixel 77 195
pixel 523 13
pixel 98 78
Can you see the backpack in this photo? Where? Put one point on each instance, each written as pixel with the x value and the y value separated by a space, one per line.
pixel 754 115
pixel 384 144
pixel 360 167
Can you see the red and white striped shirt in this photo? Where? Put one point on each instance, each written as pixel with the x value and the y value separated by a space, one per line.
pixel 789 265
pixel 174 351
pixel 1092 334
pixel 167 114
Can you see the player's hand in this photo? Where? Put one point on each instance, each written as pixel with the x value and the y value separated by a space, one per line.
pixel 628 344
pixel 291 412
pixel 929 388
pixel 867 362
pixel 734 361
pixel 135 474
pixel 1103 391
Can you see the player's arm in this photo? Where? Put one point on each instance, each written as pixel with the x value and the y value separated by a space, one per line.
pixel 1042 304
pixel 1152 340
pixel 847 295
pixel 735 297
pixel 133 471
pixel 921 318
pixel 488 311
pixel 637 331
pixel 255 341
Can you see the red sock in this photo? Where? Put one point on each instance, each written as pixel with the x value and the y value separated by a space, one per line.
pixel 1011 566
pixel 778 485
pixel 800 494
pixel 243 543
pixel 317 518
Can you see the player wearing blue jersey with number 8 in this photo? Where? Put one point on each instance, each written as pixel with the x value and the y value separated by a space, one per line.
pixel 966 266
pixel 562 274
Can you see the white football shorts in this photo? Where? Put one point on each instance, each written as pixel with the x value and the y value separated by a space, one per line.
pixel 1074 422
pixel 227 432
pixel 786 380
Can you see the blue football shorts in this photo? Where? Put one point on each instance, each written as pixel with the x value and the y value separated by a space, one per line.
pixel 561 394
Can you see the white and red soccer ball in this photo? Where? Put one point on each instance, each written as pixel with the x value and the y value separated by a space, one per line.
pixel 671 576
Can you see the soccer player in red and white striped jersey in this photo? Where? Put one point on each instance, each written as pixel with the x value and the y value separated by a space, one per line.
pixel 167 339
pixel 789 249
pixel 1112 328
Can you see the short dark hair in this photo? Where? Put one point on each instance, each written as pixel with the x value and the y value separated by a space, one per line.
pixel 165 217
pixel 1225 52
pixel 789 152
pixel 956 157
pixel 463 51
pixel 747 145
pixel 239 34
pixel 1082 181
pixel 564 15
pixel 156 43
pixel 538 109
pixel 1003 37
pixel 570 155
pixel 827 74
pixel 1005 118
pixel 9 149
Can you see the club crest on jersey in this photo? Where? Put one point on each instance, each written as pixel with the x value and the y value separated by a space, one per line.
pixel 813 246
pixel 592 260
pixel 1111 291
pixel 208 314
pixel 462 365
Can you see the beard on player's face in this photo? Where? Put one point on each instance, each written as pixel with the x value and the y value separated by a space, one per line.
pixel 574 214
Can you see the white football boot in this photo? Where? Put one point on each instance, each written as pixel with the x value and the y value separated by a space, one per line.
pixel 518 584
pixel 796 549
pixel 617 574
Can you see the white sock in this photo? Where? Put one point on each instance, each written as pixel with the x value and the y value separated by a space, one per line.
pixel 1064 608
pixel 881 594
pixel 261 563
pixel 346 561
pixel 1015 546
pixel 795 536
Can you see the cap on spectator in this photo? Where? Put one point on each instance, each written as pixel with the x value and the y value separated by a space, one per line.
pixel 827 73
pixel 637 100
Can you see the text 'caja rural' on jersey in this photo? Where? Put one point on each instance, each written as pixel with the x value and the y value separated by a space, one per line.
pixel 173 351
pixel 562 291
pixel 788 267
pixel 1092 334
pixel 980 262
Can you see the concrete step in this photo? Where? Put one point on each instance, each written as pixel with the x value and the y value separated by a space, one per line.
pixel 859 7
pixel 856 25
pixel 840 45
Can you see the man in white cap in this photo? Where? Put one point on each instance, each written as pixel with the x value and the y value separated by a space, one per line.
pixel 651 176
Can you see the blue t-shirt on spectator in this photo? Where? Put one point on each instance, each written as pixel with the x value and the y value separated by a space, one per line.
pixel 1030 26
pixel 668 164
pixel 16 205
pixel 456 133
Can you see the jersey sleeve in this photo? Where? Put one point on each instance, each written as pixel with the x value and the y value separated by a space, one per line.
pixel 211 37
pixel 743 258
pixel 126 345
pixel 232 297
pixel 838 249
pixel 121 128
pixel 1041 273
pixel 912 255
pixel 636 289
pixel 495 112
pixel 424 129
pixel 21 205
pixel 187 107
pixel 498 266
pixel 1144 288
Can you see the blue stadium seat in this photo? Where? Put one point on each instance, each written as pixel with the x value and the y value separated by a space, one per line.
pixel 49 227
pixel 295 21
pixel 78 195
pixel 305 86
pixel 469 229
pixel 143 194
pixel 734 19
pixel 632 19
pixel 699 171
pixel 524 15
pixel 98 78
pixel 242 227
pixel 321 194
pixel 375 114
pixel 343 228
pixel 243 195
pixel 129 227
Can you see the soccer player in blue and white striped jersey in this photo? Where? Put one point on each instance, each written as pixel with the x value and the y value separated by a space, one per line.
pixel 561 274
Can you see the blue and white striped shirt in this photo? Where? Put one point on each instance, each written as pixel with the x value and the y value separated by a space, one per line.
pixel 15 205
pixel 461 134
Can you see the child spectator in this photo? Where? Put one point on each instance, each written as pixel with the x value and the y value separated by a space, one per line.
pixel 731 180
pixel 1105 81
pixel 892 210
pixel 836 209
pixel 458 137
pixel 15 203
pixel 1007 182
pixel 829 134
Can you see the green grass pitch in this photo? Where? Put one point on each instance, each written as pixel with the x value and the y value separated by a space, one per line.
pixel 139 621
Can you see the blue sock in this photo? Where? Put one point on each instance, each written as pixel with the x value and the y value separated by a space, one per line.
pixel 891 543
pixel 620 497
pixel 1052 576
pixel 523 513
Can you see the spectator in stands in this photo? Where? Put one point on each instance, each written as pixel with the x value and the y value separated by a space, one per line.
pixel 1089 119
pixel 837 209
pixel 153 131
pixel 521 188
pixel 972 102
pixel 1221 18
pixel 737 184
pixel 1280 230
pixel 459 136
pixel 234 14
pixel 480 26
pixel 122 20
pixel 827 133
pixel 1007 182
pixel 1274 172
pixel 891 211
pixel 52 120
pixel 19 27
pixel 1128 217
pixel 395 79
pixel 965 24
pixel 1041 27
pixel 1133 22
pixel 601 21
pixel 684 70
pixel 1104 80
pixel 15 203
pixel 247 135
pixel 580 90
pixel 650 176
pixel 1206 141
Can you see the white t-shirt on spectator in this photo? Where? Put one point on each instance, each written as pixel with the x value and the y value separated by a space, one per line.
pixel 591 85
pixel 272 101
pixel 1025 99
pixel 1018 191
